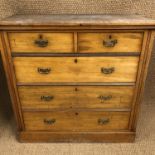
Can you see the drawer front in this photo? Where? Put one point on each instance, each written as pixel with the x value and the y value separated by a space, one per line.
pixel 81 69
pixel 76 121
pixel 110 42
pixel 48 97
pixel 41 42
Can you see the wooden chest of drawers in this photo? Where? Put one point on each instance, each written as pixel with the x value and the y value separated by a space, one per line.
pixel 76 78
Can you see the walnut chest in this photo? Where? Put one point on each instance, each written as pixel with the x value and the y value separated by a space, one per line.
pixel 76 78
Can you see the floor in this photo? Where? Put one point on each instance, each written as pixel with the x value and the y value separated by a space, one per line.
pixel 144 144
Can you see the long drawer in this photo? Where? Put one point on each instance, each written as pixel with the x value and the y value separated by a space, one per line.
pixel 50 97
pixel 76 121
pixel 109 42
pixel 42 42
pixel 80 69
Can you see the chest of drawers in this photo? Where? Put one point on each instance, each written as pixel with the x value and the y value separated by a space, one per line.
pixel 76 78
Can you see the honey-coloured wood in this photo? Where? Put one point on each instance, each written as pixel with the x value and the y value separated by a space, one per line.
pixel 76 121
pixel 76 78
pixel 109 42
pixel 74 137
pixel 55 97
pixel 80 69
pixel 41 42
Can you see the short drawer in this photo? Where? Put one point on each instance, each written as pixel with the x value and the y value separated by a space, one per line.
pixel 51 97
pixel 41 42
pixel 109 42
pixel 76 121
pixel 71 69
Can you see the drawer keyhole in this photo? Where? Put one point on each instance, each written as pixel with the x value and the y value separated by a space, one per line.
pixel 76 113
pixel 76 61
pixel 76 89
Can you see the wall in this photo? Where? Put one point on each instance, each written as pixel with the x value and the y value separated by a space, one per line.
pixel 8 8
pixel 143 7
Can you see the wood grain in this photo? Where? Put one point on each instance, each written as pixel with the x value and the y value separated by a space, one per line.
pixel 93 42
pixel 57 42
pixel 87 69
pixel 76 97
pixel 76 121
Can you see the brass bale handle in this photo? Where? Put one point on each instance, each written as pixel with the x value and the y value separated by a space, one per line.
pixel 49 121
pixel 44 70
pixel 105 98
pixel 47 98
pixel 107 70
pixel 103 121
pixel 110 43
pixel 41 42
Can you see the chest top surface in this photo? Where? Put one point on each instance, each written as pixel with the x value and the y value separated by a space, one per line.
pixel 77 20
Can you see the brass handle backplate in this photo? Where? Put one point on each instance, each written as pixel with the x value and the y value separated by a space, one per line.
pixel 47 98
pixel 103 121
pixel 49 121
pixel 40 42
pixel 110 43
pixel 107 70
pixel 105 98
pixel 44 70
